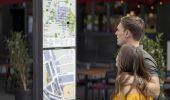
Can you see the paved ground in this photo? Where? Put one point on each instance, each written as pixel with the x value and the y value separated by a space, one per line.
pixel 3 94
pixel 91 95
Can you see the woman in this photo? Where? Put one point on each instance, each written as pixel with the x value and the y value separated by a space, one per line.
pixel 131 67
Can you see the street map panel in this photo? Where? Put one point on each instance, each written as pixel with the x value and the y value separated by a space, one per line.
pixel 59 23
pixel 59 74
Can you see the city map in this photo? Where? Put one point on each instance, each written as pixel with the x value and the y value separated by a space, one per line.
pixel 59 30
pixel 59 74
pixel 59 23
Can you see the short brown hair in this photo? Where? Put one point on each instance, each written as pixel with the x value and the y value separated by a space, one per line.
pixel 135 25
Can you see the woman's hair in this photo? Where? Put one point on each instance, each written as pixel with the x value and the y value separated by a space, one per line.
pixel 130 59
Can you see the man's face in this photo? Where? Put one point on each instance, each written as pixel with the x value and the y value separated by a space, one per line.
pixel 121 36
pixel 117 61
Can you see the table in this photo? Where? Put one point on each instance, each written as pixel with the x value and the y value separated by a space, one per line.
pixel 93 71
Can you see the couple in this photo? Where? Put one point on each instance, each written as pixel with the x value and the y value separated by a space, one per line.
pixel 137 77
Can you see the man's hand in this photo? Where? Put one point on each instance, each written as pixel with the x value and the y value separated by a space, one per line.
pixel 125 78
pixel 153 87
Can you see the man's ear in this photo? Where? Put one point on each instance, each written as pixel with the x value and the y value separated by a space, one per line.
pixel 127 33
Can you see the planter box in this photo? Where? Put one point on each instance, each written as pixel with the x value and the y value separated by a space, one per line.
pixel 23 95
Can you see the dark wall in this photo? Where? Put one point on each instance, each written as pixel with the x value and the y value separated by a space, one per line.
pixel 5 30
pixel 18 16
pixel 96 47
pixel 163 24
pixel 163 19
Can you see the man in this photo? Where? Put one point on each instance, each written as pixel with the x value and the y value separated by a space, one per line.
pixel 130 30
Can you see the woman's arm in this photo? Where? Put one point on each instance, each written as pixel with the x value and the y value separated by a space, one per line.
pixel 152 87
pixel 126 86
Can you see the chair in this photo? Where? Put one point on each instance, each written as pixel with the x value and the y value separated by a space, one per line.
pixel 167 84
pixel 106 84
pixel 85 82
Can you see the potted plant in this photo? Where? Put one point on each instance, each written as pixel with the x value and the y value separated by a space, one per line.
pixel 20 59
pixel 154 48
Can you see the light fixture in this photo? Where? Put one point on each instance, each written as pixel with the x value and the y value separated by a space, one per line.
pixel 138 6
pixel 160 2
pixel 122 1
pixel 151 15
pixel 127 14
pixel 132 13
pixel 152 7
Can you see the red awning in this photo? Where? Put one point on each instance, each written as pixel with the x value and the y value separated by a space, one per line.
pixel 3 2
pixel 145 2
pixel 89 1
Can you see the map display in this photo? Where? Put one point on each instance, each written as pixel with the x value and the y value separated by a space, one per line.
pixel 59 74
pixel 59 23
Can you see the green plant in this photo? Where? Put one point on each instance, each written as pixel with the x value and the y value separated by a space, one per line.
pixel 19 58
pixel 154 48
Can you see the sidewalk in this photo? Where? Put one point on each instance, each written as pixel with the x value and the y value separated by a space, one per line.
pixel 3 94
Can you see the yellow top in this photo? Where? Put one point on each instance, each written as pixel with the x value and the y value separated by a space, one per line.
pixel 133 96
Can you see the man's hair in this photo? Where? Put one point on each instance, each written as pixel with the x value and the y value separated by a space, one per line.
pixel 135 25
